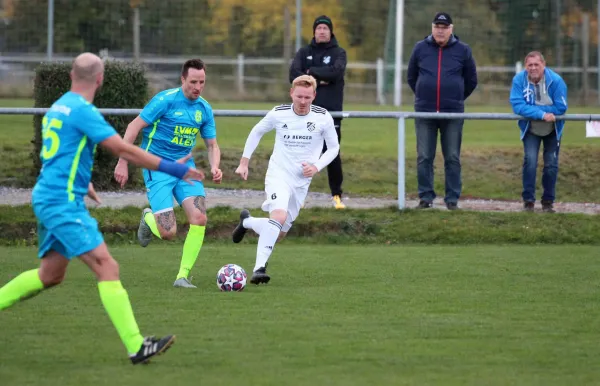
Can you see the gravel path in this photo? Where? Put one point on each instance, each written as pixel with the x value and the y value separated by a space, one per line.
pixel 254 198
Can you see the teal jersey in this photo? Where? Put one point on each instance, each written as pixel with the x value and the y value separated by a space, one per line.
pixel 71 129
pixel 174 122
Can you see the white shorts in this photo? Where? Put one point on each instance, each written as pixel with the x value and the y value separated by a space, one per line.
pixel 281 195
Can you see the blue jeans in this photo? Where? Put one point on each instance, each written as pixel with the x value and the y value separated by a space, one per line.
pixel 451 140
pixel 531 146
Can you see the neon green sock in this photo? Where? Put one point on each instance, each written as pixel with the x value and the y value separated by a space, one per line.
pixel 191 249
pixel 151 221
pixel 22 287
pixel 117 305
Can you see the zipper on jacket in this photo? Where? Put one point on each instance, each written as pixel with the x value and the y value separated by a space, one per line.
pixel 439 75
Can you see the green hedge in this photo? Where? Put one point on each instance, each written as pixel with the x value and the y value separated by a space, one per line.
pixel 386 226
pixel 125 86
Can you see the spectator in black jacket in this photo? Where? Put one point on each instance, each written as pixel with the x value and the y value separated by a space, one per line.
pixel 325 60
pixel 442 74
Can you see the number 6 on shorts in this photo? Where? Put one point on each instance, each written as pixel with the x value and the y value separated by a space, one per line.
pixel 278 195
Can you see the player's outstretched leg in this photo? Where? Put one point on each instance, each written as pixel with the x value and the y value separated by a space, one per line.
pixel 266 242
pixel 118 307
pixel 195 210
pixel 22 287
pixel 240 231
pixel 145 230
pixel 257 224
pixel 191 250
pixel 30 283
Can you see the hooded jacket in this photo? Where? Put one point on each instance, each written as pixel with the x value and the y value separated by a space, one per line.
pixel 442 78
pixel 522 100
pixel 326 62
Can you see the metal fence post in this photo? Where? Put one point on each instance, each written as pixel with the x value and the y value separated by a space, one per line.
pixel 50 32
pixel 380 81
pixel 401 161
pixel 240 74
pixel 136 34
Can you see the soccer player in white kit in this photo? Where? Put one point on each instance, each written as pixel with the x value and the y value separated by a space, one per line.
pixel 300 129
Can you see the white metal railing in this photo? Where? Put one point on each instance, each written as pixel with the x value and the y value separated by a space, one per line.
pixel 401 116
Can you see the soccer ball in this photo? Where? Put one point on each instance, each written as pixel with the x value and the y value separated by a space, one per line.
pixel 231 277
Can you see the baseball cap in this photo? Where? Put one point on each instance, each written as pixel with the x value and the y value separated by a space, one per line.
pixel 442 18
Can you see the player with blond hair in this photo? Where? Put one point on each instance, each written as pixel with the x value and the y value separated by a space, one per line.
pixel 300 129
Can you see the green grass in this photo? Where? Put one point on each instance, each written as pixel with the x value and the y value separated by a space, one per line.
pixel 491 158
pixel 330 316
pixel 16 134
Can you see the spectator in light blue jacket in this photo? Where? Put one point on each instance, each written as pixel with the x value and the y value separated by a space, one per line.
pixel 539 95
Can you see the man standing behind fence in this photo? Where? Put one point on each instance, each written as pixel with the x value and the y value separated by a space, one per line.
pixel 442 74
pixel 325 60
pixel 539 94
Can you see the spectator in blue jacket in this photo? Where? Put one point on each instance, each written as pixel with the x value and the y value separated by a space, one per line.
pixel 540 95
pixel 442 75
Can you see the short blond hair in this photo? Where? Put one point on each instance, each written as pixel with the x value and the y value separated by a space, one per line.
pixel 305 81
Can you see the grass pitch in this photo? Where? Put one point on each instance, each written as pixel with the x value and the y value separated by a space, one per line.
pixel 332 315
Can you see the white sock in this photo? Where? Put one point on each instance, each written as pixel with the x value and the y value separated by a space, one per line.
pixel 256 224
pixel 266 243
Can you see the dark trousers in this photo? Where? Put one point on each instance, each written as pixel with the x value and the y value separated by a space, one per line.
pixel 334 169
pixel 451 140
pixel 531 146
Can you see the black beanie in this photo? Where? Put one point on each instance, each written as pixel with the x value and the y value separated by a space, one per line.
pixel 323 20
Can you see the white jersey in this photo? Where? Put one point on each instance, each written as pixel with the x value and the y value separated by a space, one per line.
pixel 298 139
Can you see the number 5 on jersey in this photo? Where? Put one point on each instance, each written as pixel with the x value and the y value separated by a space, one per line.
pixel 50 149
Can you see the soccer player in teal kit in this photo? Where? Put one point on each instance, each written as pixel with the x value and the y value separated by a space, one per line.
pixel 71 130
pixel 170 123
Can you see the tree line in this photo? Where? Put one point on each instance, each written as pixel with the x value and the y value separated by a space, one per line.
pixel 499 31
